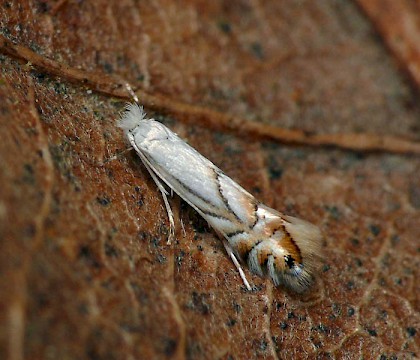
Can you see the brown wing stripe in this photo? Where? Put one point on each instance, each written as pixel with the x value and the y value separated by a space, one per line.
pixel 245 251
pixel 290 245
pixel 225 201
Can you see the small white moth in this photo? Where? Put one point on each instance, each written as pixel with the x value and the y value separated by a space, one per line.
pixel 283 247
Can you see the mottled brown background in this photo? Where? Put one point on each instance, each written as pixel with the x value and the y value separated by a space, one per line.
pixel 85 269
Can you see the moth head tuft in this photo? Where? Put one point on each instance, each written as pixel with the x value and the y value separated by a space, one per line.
pixel 132 116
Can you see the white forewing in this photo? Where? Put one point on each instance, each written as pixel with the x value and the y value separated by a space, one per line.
pixel 184 170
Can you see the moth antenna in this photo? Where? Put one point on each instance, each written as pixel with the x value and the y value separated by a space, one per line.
pixel 132 93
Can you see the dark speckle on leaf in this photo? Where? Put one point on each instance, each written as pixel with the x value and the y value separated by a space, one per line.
pixel 179 258
pixel 161 258
pixel 231 322
pixel 395 239
pixel 199 303
pixel 375 229
pixel 225 27
pixel 318 345
pixel 257 50
pixel 263 345
pixel 40 77
pixel 86 254
pixel 383 314
pixel 104 201
pixel 237 308
pixel 275 173
pixel 372 332
pixel 110 250
pixel 358 262
pixel 334 212
pixel 322 328
pixel 199 224
pixel 411 331
pixel 414 195
pixel 30 230
pixel 336 308
pixel 350 285
pixel 60 88
pixel 109 69
pixel 84 251
pixel 28 174
pixel 274 169
pixel 279 306
pixel 42 7
pixel 155 241
pixel 169 346
pixel 291 315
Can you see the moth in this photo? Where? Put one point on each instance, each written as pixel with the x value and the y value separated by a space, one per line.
pixel 284 248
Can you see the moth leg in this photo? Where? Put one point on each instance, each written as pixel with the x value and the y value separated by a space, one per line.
pixel 165 200
pixel 236 262
pixel 183 229
pixel 116 156
pixel 179 223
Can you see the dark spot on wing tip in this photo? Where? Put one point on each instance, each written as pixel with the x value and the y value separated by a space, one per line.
pixel 290 261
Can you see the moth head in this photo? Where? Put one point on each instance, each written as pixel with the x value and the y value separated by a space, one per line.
pixel 132 117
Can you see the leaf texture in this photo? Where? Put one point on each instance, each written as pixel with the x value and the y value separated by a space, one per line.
pixel 85 268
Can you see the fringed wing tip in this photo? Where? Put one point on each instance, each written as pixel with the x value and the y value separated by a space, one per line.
pixel 132 116
pixel 309 238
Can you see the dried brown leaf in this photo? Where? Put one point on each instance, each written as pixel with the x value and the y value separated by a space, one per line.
pixel 85 268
